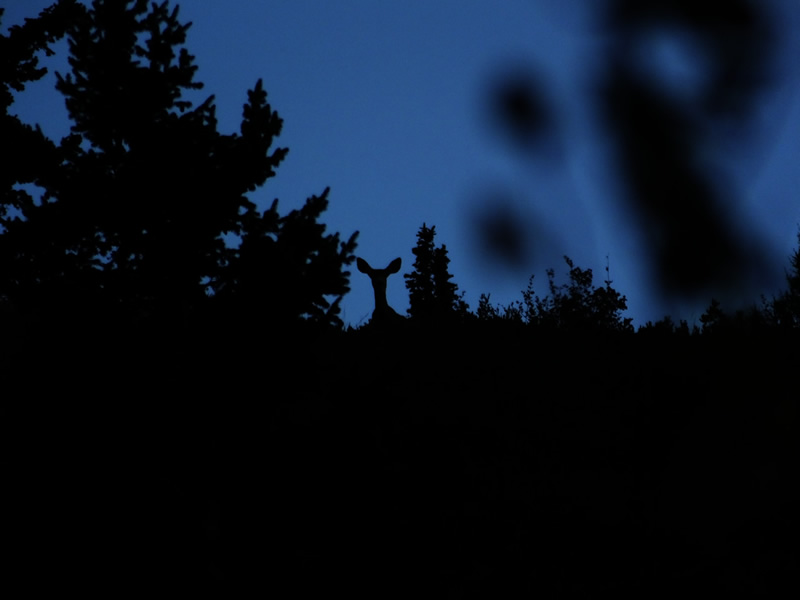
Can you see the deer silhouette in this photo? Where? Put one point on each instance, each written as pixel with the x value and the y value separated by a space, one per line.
pixel 383 313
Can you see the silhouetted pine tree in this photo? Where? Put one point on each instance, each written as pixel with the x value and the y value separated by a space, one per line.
pixel 305 277
pixel 134 217
pixel 29 157
pixel 713 317
pixel 420 281
pixel 432 296
pixel 784 311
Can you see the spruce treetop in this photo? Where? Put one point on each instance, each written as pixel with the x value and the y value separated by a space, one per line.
pixel 432 294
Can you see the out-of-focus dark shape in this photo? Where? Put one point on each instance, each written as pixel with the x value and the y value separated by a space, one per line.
pixel 663 138
pixel 509 236
pixel 519 109
pixel 503 236
pixel 677 85
pixel 735 35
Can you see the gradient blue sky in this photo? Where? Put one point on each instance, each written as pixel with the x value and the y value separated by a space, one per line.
pixel 385 102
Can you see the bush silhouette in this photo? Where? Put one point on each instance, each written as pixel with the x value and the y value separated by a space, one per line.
pixel 575 306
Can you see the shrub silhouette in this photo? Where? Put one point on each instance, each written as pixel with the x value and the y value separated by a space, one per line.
pixel 577 305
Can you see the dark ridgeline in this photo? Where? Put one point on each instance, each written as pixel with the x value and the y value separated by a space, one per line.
pixel 184 415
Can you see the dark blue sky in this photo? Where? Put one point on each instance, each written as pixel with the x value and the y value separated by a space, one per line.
pixel 386 103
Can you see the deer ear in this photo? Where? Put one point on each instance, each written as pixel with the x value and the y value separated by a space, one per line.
pixel 363 266
pixel 394 266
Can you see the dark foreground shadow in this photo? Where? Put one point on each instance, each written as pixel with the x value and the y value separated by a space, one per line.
pixel 472 463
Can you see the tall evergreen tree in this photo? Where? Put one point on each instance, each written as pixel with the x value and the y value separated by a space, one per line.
pixel 135 215
pixel 420 281
pixel 287 268
pixel 432 296
pixel 28 155
pixel 784 311
pixel 793 279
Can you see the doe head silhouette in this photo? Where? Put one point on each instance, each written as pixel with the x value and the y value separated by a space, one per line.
pixel 378 278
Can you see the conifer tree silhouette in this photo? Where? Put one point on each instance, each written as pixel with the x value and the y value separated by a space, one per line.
pixel 432 296
pixel 29 157
pixel 792 295
pixel 139 199
pixel 784 311
pixel 287 268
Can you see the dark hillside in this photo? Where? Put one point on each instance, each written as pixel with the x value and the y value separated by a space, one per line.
pixel 470 462
pixel 184 412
